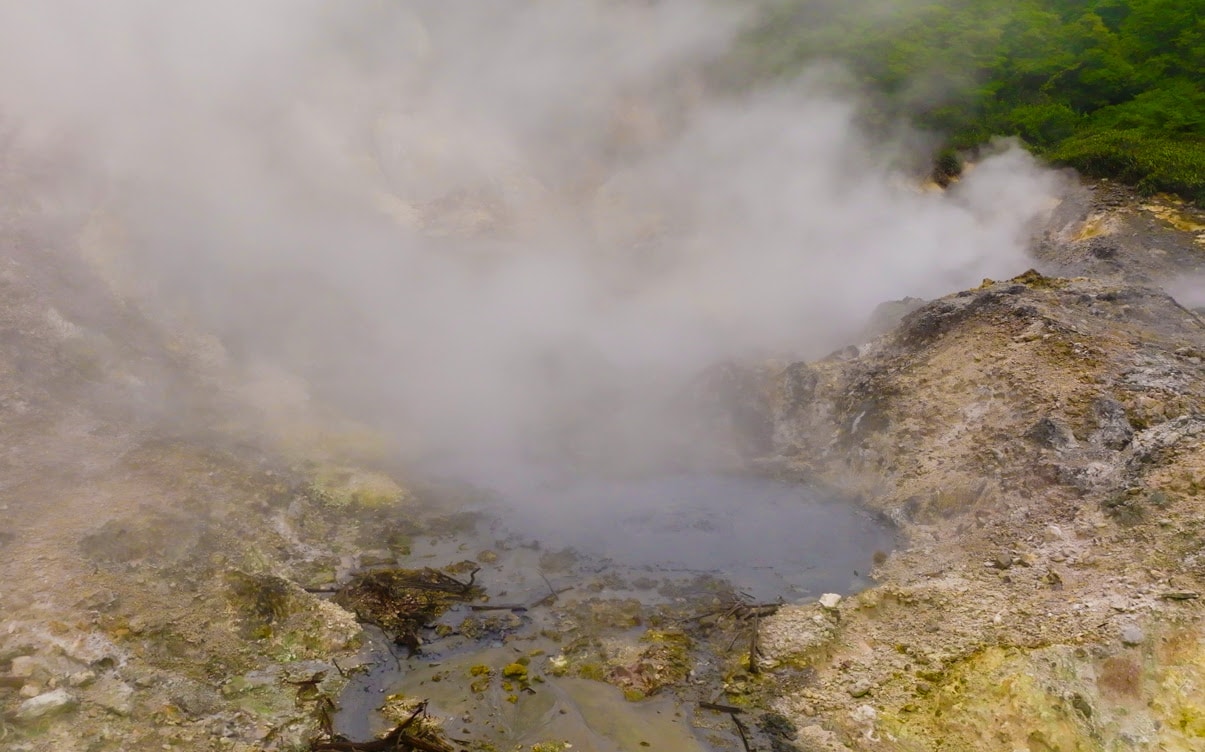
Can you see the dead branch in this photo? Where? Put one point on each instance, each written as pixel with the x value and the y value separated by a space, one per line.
pixel 397 740
pixel 740 727
pixel 753 667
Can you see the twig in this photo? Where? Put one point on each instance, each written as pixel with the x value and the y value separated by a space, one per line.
pixel 397 739
pixel 550 598
pixel 326 715
pixel 740 727
pixel 758 610
pixel 721 708
pixel 732 644
pixel 497 607
pixel 446 580
pixel 753 667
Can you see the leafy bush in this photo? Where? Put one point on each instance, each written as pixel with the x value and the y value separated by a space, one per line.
pixel 1112 87
pixel 1152 163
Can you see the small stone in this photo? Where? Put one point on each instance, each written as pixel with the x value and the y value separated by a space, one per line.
pixel 864 714
pixel 830 601
pixel 32 689
pixel 44 705
pixel 81 678
pixel 1003 560
pixel 1132 634
pixel 113 695
pixel 860 688
pixel 24 666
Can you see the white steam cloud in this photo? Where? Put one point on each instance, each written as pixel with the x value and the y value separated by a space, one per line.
pixel 478 220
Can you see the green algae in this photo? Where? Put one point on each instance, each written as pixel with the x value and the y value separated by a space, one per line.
pixel 342 488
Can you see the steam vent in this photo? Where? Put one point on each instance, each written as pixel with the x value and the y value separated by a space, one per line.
pixel 602 375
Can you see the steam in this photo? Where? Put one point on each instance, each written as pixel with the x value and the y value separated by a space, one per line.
pixel 482 222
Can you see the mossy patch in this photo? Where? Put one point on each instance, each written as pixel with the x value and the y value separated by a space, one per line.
pixel 1035 280
pixel 261 602
pixel 341 488
pixel 992 700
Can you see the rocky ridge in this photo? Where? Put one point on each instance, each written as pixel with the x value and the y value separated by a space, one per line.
pixel 1040 443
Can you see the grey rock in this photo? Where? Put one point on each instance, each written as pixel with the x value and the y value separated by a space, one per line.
pixel 195 699
pixel 300 671
pixel 113 695
pixel 1151 444
pixel 799 381
pixel 860 688
pixel 45 704
pixel 1132 634
pixel 1113 429
pixel 888 316
pixel 1053 433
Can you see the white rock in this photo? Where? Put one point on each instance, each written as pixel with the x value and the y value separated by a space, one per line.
pixel 864 714
pixel 830 600
pixel 45 704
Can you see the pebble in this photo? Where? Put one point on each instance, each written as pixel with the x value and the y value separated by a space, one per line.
pixel 24 666
pixel 1132 634
pixel 81 678
pixel 114 695
pixel 44 705
pixel 830 600
pixel 860 688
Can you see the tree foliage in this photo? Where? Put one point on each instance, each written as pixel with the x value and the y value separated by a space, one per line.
pixel 1112 87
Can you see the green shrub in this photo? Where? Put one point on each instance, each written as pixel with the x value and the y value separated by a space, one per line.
pixel 1152 163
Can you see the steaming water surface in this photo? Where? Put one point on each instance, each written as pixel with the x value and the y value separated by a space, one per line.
pixel 768 538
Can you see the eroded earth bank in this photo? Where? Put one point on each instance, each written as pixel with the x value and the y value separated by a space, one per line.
pixel 202 582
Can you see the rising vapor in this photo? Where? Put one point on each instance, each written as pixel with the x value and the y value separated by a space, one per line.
pixel 489 223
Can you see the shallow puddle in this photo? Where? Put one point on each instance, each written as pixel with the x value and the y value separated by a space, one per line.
pixel 590 715
pixel 671 538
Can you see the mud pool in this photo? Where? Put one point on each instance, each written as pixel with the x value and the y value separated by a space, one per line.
pixel 671 544
pixel 767 538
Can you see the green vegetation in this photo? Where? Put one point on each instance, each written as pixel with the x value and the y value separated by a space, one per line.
pixel 1111 87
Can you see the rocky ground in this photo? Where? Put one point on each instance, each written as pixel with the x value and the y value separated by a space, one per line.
pixel 1040 442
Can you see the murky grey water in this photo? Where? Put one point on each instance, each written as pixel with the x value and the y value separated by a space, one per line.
pixel 766 538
